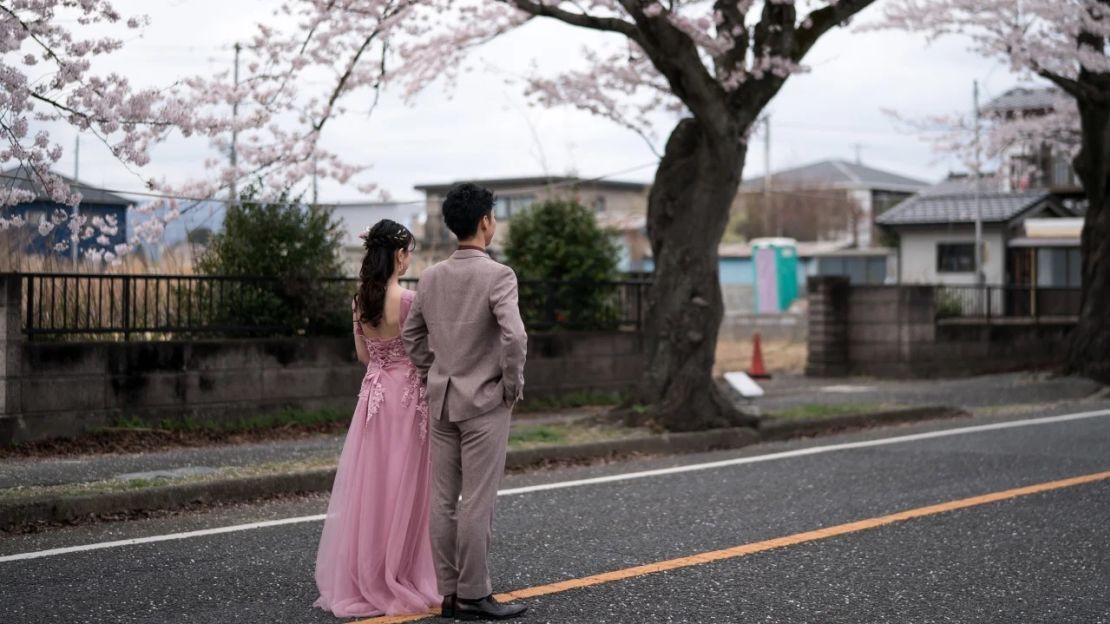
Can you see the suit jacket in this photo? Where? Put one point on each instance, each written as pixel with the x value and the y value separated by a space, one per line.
pixel 465 336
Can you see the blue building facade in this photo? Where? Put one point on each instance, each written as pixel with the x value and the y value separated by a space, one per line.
pixel 95 203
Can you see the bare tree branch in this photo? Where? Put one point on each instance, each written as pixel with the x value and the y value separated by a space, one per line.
pixel 821 21
pixel 605 24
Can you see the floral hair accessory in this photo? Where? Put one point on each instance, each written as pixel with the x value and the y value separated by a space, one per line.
pixel 365 234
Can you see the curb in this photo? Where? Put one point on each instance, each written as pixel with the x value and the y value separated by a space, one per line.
pixel 774 430
pixel 665 444
pixel 16 514
pixel 164 497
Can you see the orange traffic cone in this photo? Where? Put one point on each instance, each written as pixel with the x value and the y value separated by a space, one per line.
pixel 757 371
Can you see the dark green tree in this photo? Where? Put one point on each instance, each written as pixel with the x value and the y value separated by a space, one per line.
pixel 200 236
pixel 564 262
pixel 286 250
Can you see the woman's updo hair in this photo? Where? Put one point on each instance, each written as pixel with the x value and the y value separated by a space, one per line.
pixel 381 243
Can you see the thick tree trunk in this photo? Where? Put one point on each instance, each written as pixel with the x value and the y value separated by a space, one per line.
pixel 1089 353
pixel 687 213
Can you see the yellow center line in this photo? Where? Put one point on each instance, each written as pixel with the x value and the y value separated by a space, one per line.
pixel 756 547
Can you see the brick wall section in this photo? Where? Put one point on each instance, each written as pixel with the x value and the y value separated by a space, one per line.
pixel 891 331
pixel 828 327
pixel 61 388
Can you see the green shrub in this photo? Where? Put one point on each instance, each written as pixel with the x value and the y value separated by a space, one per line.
pixel 293 245
pixel 563 259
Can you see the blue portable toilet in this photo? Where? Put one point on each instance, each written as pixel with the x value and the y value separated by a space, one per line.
pixel 775 263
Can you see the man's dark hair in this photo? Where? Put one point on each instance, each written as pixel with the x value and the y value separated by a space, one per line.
pixel 464 207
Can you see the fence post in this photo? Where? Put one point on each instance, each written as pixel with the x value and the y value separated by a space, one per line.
pixel 549 303
pixel 30 319
pixel 11 358
pixel 827 342
pixel 989 297
pixel 126 305
pixel 640 306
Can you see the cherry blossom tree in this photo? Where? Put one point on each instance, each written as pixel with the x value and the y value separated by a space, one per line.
pixel 1064 42
pixel 716 64
pixel 720 64
pixel 1007 139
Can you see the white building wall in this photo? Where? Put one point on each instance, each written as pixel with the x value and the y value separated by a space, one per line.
pixel 355 218
pixel 864 221
pixel 917 254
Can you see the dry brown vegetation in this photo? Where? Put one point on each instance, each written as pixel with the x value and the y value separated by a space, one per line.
pixel 779 356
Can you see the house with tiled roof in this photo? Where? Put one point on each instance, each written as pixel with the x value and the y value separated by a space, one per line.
pixel 828 200
pixel 95 202
pixel 936 237
pixel 1034 162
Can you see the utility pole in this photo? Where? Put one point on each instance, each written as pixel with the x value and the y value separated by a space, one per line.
pixel 234 190
pixel 75 237
pixel 315 196
pixel 980 278
pixel 767 173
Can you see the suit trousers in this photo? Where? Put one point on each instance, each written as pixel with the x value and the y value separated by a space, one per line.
pixel 468 461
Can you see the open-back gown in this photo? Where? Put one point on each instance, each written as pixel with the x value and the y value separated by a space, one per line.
pixel 375 557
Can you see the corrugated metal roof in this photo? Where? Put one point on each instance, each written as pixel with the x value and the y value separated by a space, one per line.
pixel 838 174
pixel 21 178
pixel 806 249
pixel 1042 242
pixel 960 208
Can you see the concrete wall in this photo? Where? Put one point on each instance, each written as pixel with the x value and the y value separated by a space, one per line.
pixel 69 386
pixel 917 254
pixel 740 320
pixel 52 389
pixel 891 331
pixel 740 326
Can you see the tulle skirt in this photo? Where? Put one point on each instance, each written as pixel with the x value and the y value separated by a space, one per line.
pixel 375 556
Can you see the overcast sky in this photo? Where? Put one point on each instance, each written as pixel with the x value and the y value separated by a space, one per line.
pixel 484 127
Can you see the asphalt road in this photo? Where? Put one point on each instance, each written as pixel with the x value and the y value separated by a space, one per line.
pixel 1036 558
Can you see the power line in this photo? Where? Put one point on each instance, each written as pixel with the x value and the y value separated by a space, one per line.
pixel 217 200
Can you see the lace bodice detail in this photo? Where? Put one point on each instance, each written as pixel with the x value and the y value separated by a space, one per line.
pixel 389 354
pixel 386 353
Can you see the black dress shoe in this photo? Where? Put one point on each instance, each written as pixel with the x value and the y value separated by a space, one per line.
pixel 447 610
pixel 486 609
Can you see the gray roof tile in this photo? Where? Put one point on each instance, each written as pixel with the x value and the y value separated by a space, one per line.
pixel 838 174
pixel 20 178
pixel 960 208
pixel 1024 99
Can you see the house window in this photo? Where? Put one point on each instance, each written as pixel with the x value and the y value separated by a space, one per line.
pixel 599 204
pixel 505 206
pixel 1061 172
pixel 955 257
pixel 1059 268
pixel 34 217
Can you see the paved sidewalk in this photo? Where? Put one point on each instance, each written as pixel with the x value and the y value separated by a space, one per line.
pixel 196 461
pixel 971 393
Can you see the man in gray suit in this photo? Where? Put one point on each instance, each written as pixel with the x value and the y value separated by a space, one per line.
pixel 465 335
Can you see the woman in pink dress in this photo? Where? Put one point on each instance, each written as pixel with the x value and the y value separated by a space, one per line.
pixel 375 557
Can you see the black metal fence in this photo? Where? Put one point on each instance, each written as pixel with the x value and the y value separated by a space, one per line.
pixel 159 307
pixel 1002 303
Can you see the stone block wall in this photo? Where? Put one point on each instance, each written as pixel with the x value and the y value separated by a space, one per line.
pixel 892 331
pixel 50 389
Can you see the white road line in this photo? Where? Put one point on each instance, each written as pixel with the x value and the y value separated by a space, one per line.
pixel 829 448
pixel 815 450
pixel 159 538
